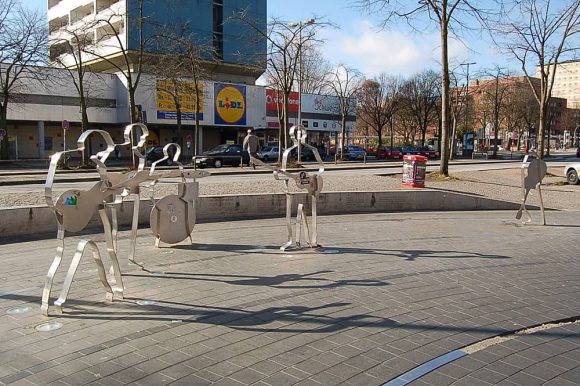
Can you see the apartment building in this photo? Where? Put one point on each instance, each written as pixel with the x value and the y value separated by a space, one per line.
pixel 567 82
pixel 108 26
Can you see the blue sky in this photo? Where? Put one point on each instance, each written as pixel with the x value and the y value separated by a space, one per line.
pixel 359 42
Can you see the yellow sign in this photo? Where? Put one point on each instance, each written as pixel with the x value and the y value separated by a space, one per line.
pixel 185 91
pixel 230 104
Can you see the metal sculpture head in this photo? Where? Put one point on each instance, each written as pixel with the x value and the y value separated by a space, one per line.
pixel 166 156
pixel 298 135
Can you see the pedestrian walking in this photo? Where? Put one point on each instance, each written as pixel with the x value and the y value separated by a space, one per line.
pixel 251 144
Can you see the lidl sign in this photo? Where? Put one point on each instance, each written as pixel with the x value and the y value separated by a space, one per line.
pixel 230 104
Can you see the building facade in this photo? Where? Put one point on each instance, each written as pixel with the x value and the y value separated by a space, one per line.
pixel 567 82
pixel 236 48
pixel 44 117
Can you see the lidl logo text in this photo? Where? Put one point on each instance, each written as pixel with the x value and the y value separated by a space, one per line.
pixel 230 104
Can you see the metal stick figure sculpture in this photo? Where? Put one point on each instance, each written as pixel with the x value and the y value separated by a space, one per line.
pixel 73 210
pixel 311 182
pixel 536 171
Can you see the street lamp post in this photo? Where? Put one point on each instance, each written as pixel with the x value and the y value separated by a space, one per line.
pixel 300 25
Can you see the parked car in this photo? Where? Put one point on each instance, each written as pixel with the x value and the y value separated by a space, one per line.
pixel 571 172
pixel 389 152
pixel 155 153
pixel 371 151
pixel 224 155
pixel 306 154
pixel 428 152
pixel 410 150
pixel 268 153
pixel 353 153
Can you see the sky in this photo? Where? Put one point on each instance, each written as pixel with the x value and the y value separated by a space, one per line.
pixel 358 41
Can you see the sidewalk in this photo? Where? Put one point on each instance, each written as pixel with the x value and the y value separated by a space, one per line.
pixel 392 292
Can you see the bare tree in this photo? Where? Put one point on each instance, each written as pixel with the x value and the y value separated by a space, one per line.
pixel 344 84
pixel 68 52
pixel 448 16
pixel 540 32
pixel 457 104
pixel 378 100
pixel 129 63
pixel 23 42
pixel 188 62
pixel 495 92
pixel 284 46
pixel 420 94
pixel 315 69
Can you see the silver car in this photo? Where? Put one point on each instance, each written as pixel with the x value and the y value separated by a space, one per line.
pixel 571 172
pixel 268 153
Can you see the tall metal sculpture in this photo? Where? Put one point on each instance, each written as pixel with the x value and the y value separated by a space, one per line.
pixel 532 173
pixel 311 182
pixel 75 208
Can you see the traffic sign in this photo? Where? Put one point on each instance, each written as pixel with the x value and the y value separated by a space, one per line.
pixel 65 125
pixel 2 133
pixel 189 138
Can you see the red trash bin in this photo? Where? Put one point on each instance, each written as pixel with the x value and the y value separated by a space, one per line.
pixel 414 167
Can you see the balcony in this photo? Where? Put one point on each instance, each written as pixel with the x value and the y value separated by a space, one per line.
pixel 81 12
pixel 57 50
pixel 57 23
pixel 104 4
pixel 52 3
pixel 108 31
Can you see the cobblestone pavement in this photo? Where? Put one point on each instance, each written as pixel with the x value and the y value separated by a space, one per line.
pixel 401 290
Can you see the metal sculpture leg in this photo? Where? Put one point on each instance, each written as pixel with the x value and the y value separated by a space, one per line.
pixel 541 205
pixel 118 278
pixel 288 223
pixel 115 226
pixel 52 270
pixel 81 247
pixel 134 228
pixel 314 215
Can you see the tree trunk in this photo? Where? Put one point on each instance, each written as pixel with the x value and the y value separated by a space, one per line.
pixel 541 130
pixel 444 165
pixel 4 151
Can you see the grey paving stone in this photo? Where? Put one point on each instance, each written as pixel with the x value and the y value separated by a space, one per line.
pixel 522 378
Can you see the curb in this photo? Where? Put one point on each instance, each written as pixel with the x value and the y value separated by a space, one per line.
pixel 39 221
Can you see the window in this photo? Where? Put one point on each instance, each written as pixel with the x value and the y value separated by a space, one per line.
pixel 218 29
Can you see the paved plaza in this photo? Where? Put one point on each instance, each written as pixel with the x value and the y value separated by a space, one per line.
pixel 390 292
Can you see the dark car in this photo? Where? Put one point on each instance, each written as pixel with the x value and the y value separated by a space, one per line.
pixel 224 155
pixel 388 152
pixel 410 150
pixel 306 154
pixel 155 153
pixel 428 152
pixel 354 153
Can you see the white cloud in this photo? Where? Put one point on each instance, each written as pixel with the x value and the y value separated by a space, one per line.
pixel 373 51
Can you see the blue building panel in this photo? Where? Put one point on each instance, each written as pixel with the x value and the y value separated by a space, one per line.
pixel 242 44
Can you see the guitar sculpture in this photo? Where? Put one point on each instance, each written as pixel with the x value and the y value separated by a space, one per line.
pixel 173 217
pixel 536 171
pixel 311 182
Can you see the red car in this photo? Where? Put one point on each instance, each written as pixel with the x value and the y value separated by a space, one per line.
pixel 429 153
pixel 389 152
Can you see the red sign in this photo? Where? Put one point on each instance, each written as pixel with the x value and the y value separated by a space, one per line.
pixel 65 125
pixel 275 98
